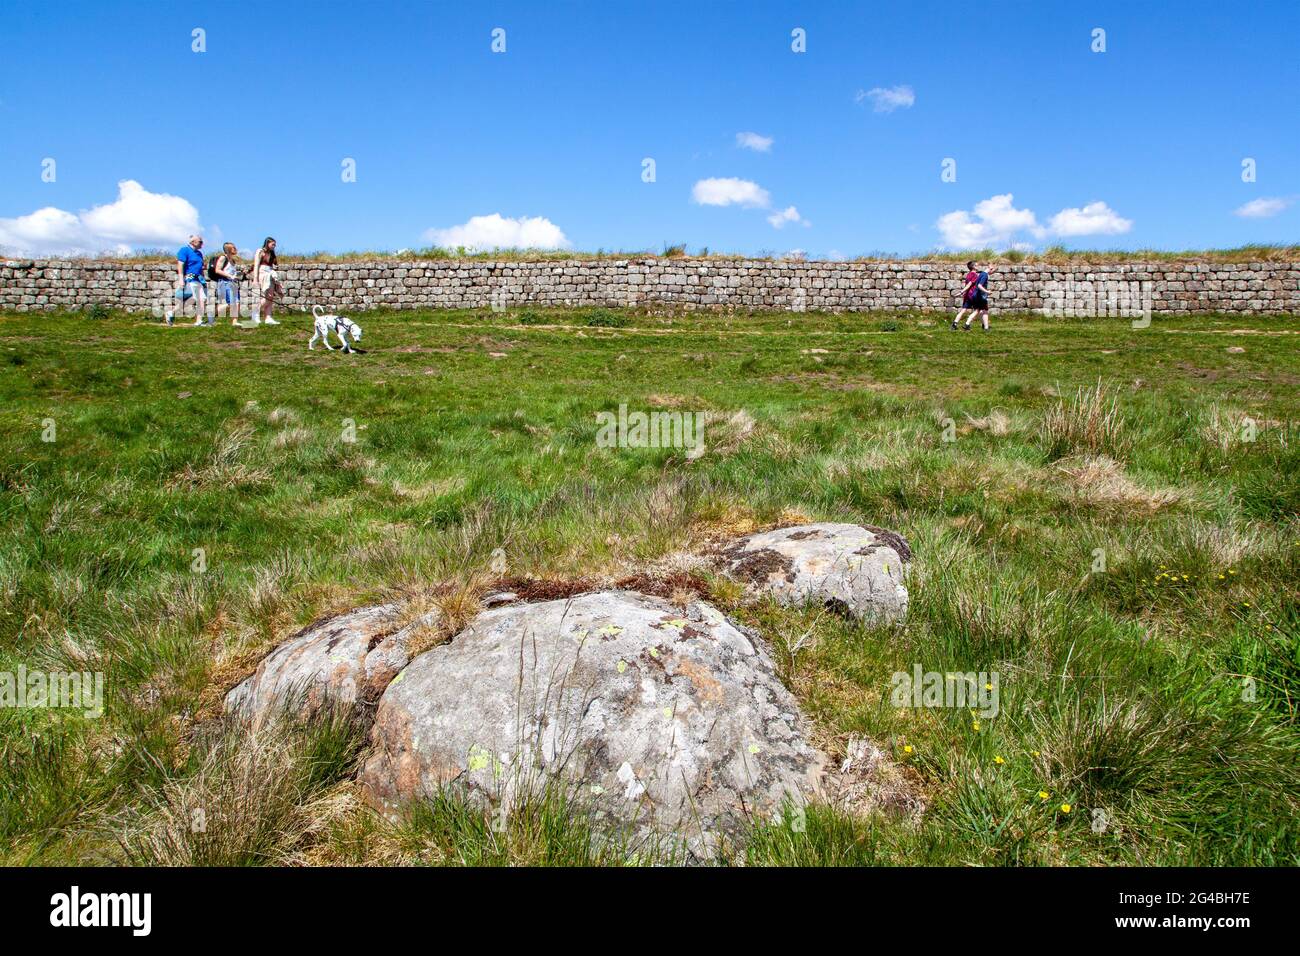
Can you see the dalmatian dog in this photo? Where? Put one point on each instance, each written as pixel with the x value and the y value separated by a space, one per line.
pixel 344 328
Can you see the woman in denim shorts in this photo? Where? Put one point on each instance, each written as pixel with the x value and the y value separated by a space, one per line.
pixel 228 276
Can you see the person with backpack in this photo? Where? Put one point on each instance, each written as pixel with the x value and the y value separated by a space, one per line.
pixel 224 270
pixel 967 294
pixel 190 280
pixel 267 281
pixel 980 299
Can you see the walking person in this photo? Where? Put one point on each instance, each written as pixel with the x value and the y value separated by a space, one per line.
pixel 190 283
pixel 967 294
pixel 266 281
pixel 227 272
pixel 981 299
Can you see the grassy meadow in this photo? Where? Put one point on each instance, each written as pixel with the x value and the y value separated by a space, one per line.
pixel 1105 516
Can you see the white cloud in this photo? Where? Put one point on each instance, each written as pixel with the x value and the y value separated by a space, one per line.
pixel 886 99
pixel 742 192
pixel 787 215
pixel 754 141
pixel 137 218
pixel 1094 219
pixel 47 230
pixel 730 192
pixel 500 232
pixel 1263 208
pixel 997 222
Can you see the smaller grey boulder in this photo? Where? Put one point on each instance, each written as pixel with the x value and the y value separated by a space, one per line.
pixel 854 569
pixel 347 659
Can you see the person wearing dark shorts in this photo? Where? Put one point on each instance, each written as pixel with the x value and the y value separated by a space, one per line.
pixel 979 302
pixel 967 294
pixel 976 298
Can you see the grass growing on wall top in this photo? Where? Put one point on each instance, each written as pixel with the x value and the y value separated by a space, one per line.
pixel 1051 254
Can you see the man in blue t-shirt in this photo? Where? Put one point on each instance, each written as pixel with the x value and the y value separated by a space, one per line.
pixel 190 281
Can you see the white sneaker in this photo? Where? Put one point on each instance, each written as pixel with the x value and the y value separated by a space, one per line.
pixel 199 320
pixel 170 320
pixel 271 321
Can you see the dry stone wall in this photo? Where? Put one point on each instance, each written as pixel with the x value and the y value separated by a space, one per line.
pixel 685 284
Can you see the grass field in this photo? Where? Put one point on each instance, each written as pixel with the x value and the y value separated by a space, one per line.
pixel 1105 516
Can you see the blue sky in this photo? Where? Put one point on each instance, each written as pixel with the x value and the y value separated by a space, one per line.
pixel 250 135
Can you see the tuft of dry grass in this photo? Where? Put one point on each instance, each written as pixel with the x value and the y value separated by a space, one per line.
pixel 1226 545
pixel 724 433
pixel 291 438
pixel 1089 422
pixel 996 423
pixel 661 400
pixel 437 613
pixel 1229 430
pixel 355 835
pixel 1100 481
pixel 226 467
pixel 268 602
pixel 252 795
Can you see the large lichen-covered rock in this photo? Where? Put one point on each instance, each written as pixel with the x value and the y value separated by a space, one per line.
pixel 660 719
pixel 347 659
pixel 854 569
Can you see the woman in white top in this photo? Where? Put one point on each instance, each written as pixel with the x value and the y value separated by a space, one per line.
pixel 266 281
pixel 226 268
